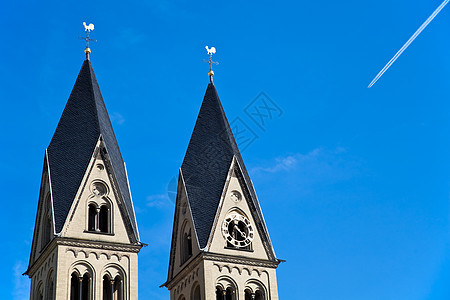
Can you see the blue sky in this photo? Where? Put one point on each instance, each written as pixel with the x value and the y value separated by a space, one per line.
pixel 353 182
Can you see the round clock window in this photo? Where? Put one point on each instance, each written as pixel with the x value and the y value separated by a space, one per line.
pixel 237 230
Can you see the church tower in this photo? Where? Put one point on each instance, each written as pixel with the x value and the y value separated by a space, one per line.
pixel 86 241
pixel 221 248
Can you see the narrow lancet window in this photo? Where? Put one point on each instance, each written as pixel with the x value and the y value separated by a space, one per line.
pixel 118 289
pixel 248 295
pixel 259 295
pixel 107 288
pixel 92 214
pixel 196 293
pixel 85 287
pixel 74 287
pixel 186 246
pixel 104 219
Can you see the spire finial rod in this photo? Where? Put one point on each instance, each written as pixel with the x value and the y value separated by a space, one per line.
pixel 210 51
pixel 88 29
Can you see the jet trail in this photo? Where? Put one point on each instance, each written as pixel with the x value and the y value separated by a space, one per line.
pixel 411 39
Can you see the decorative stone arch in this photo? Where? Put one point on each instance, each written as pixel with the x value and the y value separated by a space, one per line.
pixel 47 216
pixel 85 273
pixel 185 242
pixel 196 292
pixel 114 283
pixel 39 292
pixel 50 285
pixel 226 288
pixel 255 290
pixel 237 210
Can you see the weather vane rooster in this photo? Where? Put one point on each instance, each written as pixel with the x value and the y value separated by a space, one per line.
pixel 88 29
pixel 210 52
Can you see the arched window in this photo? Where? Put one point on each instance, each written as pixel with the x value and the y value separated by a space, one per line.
pixel 39 292
pixel 80 286
pixel 248 295
pixel 186 244
pixel 219 293
pixel 99 220
pixel 104 219
pixel 74 287
pixel 259 295
pixel 46 224
pixel 224 294
pixel 118 288
pixel 229 295
pixel 50 291
pixel 85 287
pixel 92 216
pixel 196 295
pixel 107 288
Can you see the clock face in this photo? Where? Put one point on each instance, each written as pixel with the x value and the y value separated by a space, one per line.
pixel 237 230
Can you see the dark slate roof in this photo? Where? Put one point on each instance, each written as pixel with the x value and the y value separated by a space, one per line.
pixel 207 162
pixel 82 123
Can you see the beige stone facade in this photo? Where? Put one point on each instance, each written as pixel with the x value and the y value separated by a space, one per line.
pixel 245 272
pixel 82 248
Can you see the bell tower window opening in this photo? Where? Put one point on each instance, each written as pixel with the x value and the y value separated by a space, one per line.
pixel 224 294
pixel 99 218
pixel 112 288
pixel 85 287
pixel 92 217
pixel 50 290
pixel 104 219
pixel 196 295
pixel 186 244
pixel 39 292
pixel 107 288
pixel 249 295
pixel 259 295
pixel 74 287
pixel 80 287
pixel 118 288
pixel 47 225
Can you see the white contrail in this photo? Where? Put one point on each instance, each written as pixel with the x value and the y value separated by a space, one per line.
pixel 411 39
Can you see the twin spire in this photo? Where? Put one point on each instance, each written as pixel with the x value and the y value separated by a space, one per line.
pixel 87 50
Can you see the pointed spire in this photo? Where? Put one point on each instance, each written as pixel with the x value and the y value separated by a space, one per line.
pixel 84 120
pixel 207 162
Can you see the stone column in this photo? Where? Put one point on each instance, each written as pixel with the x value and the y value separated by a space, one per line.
pixel 80 288
pixel 112 288
pixel 97 220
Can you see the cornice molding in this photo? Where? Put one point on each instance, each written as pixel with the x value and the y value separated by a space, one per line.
pixel 99 245
pixel 58 241
pixel 208 256
pixel 241 260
